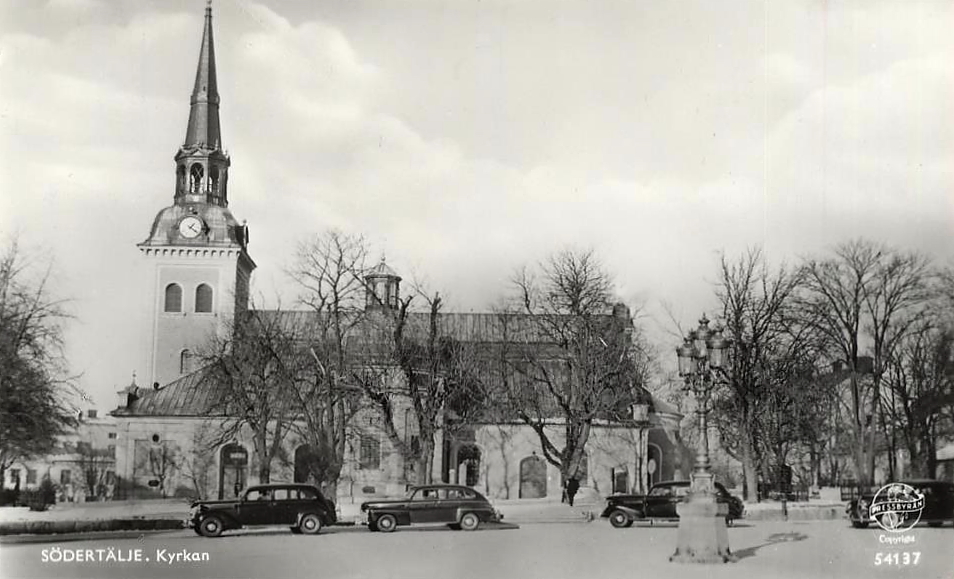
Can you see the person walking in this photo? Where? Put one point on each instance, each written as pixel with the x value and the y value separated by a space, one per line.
pixel 572 486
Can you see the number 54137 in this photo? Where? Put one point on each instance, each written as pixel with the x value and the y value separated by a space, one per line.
pixel 898 558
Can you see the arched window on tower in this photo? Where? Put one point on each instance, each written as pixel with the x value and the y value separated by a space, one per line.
pixel 173 298
pixel 195 178
pixel 185 362
pixel 180 179
pixel 203 299
pixel 214 181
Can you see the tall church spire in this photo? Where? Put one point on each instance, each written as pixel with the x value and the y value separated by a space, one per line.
pixel 201 164
pixel 203 127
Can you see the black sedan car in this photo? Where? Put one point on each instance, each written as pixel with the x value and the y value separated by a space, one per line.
pixel 938 503
pixel 302 507
pixel 660 504
pixel 459 507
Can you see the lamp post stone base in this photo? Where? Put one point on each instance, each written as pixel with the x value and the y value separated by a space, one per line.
pixel 702 536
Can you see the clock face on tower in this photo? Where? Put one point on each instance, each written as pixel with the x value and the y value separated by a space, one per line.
pixel 191 227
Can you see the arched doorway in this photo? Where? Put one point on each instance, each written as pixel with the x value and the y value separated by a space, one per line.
pixel 620 476
pixel 233 470
pixel 653 464
pixel 468 461
pixel 533 478
pixel 306 463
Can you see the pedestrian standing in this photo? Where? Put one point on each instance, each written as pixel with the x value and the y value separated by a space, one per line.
pixel 572 486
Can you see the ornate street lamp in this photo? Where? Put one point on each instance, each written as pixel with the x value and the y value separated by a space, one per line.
pixel 702 536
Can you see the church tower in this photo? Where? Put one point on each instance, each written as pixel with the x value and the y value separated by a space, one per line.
pixel 197 251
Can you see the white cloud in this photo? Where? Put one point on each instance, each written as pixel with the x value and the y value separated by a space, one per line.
pixel 468 140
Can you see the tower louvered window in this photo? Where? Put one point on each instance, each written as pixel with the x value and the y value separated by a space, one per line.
pixel 173 298
pixel 203 299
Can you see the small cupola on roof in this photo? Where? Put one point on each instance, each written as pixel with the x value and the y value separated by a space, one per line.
pixel 382 287
pixel 128 395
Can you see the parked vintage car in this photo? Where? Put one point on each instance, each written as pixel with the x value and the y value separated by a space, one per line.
pixel 459 507
pixel 300 506
pixel 938 503
pixel 623 510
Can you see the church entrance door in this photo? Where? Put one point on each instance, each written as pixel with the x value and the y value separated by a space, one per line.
pixel 533 478
pixel 233 471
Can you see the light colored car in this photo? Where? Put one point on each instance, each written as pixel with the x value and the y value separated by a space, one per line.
pixel 456 506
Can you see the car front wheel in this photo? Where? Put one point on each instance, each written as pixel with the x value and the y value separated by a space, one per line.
pixel 386 523
pixel 620 520
pixel 211 526
pixel 469 522
pixel 310 524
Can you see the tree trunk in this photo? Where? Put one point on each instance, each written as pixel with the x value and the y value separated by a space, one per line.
pixel 749 471
pixel 330 490
pixel 425 461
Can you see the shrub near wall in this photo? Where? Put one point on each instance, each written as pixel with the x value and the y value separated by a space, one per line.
pixel 9 497
pixel 41 498
pixel 56 527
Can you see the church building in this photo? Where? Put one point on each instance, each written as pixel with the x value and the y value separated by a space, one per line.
pixel 200 271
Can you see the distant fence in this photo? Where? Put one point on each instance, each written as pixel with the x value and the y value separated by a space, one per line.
pixel 851 492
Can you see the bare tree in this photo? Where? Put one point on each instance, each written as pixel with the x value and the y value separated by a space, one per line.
pixel 574 362
pixel 197 466
pixel 864 298
pixel 93 464
pixel 419 369
pixel 34 382
pixel 754 302
pixel 919 386
pixel 788 422
pixel 328 268
pixel 163 463
pixel 157 459
pixel 252 371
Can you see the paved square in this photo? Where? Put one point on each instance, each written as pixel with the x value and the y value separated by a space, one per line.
pixel 545 551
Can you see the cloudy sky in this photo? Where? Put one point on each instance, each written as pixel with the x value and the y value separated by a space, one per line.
pixel 467 137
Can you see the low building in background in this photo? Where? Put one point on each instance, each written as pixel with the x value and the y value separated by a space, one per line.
pixel 82 466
